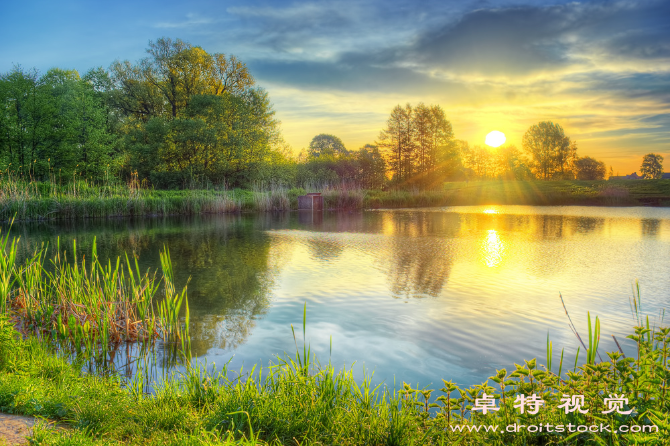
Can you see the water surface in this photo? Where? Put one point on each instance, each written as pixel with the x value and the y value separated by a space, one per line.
pixel 419 295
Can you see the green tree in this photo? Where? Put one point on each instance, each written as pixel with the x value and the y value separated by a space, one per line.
pixel 588 168
pixel 479 161
pixel 652 166
pixel 419 145
pixel 324 144
pixel 56 123
pixel 222 139
pixel 510 164
pixel 372 167
pixel 397 140
pixel 191 115
pixel 164 83
pixel 551 151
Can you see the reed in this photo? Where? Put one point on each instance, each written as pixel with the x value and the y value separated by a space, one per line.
pixel 87 306
pixel 29 200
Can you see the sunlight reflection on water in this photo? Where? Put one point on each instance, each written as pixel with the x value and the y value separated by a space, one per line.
pixel 419 294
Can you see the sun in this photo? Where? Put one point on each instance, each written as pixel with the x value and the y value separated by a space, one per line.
pixel 495 139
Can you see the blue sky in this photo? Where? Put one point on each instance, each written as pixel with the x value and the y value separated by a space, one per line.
pixel 600 69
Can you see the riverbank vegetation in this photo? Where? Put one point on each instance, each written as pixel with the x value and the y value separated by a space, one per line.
pixel 298 401
pixel 27 200
pixel 89 309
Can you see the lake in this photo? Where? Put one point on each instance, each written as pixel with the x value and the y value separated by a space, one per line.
pixel 414 295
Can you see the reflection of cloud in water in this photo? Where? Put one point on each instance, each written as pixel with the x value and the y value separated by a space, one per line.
pixel 495 276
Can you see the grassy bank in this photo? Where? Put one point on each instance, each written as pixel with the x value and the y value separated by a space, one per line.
pixel 298 402
pixel 34 201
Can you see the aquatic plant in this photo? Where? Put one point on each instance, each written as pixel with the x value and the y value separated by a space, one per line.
pixel 90 307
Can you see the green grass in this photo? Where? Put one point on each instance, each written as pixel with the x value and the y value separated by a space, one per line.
pixel 599 193
pixel 89 308
pixel 298 401
pixel 35 201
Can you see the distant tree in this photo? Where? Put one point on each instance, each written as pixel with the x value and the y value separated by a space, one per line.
pixel 419 145
pixel 510 164
pixel 588 168
pixel 551 151
pixel 325 144
pixel 398 142
pixel 423 130
pixel 478 160
pixel 372 167
pixel 652 166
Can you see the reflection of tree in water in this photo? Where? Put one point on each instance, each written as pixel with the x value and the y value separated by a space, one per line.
pixel 586 225
pixel 226 257
pixel 230 282
pixel 324 248
pixel 550 226
pixel 559 226
pixel 420 261
pixel 650 226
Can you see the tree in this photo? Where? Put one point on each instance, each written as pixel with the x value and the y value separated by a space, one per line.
pixel 423 136
pixel 551 151
pixel 324 144
pixel 510 164
pixel 56 123
pixel 372 167
pixel 419 145
pixel 588 168
pixel 478 160
pixel 397 139
pixel 164 83
pixel 219 138
pixel 652 166
pixel 191 115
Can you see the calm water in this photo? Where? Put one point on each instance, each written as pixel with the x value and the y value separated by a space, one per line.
pixel 418 295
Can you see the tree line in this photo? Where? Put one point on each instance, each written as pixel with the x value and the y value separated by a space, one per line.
pixel 417 148
pixel 182 117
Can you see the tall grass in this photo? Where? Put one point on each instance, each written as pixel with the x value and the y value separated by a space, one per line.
pixel 88 306
pixel 28 200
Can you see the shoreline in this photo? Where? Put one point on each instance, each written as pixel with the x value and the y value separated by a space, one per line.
pixel 70 203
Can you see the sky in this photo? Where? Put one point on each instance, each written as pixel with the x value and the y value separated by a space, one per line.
pixel 600 69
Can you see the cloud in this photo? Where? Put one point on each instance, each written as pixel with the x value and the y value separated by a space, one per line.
pixel 525 40
pixel 600 68
pixel 192 20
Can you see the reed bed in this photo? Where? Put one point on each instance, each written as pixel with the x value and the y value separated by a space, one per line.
pixel 28 200
pixel 275 199
pixel 90 307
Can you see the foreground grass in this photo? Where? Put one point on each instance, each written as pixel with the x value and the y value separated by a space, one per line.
pixel 31 201
pixel 298 403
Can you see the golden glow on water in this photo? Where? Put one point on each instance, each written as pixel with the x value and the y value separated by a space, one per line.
pixel 421 294
pixel 493 249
